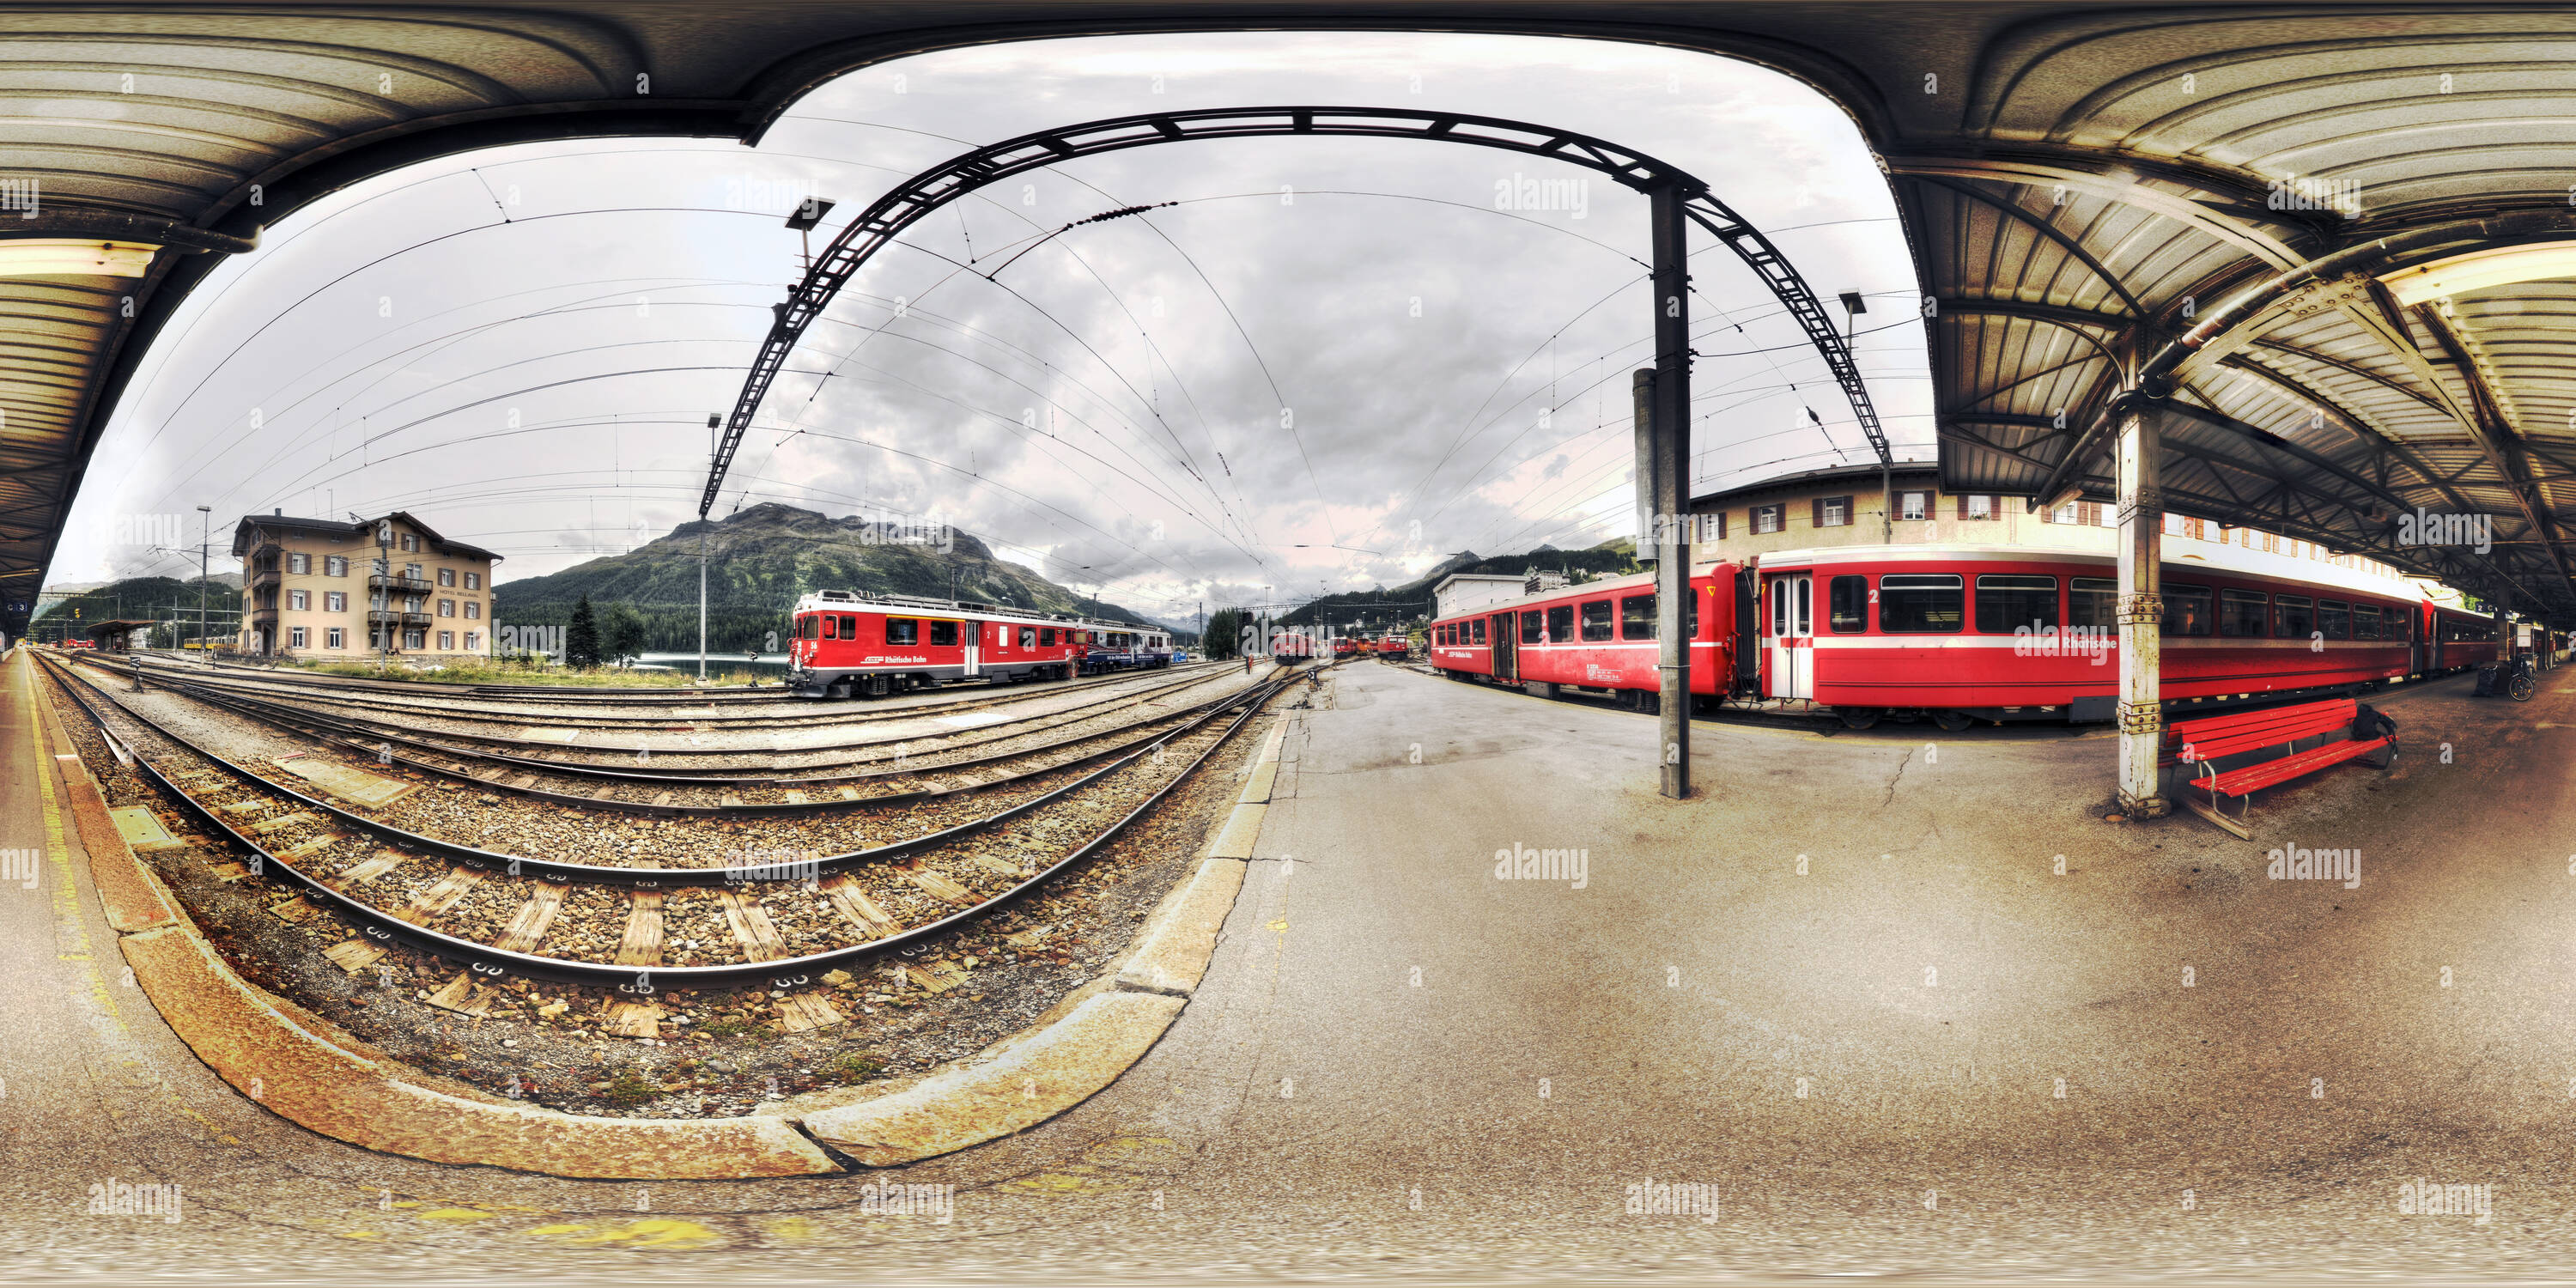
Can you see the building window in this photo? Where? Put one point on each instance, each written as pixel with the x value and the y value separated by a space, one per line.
pixel 2006 603
pixel 1847 605
pixel 335 637
pixel 474 581
pixel 411 545
pixel 447 641
pixel 299 564
pixel 1766 519
pixel 335 566
pixel 299 600
pixel 447 608
pixel 1977 505
pixel 413 639
pixel 295 637
pixel 1913 505
pixel 412 570
pixel 474 610
pixel 473 641
pixel 1637 617
pixel 1560 624
pixel 335 601
pixel 1921 604
pixel 1832 511
pixel 447 577
pixel 904 630
pixel 2068 512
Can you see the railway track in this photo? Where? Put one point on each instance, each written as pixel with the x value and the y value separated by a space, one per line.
pixel 908 775
pixel 567 694
pixel 670 714
pixel 775 920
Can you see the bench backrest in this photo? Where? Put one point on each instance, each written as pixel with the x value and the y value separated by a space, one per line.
pixel 2211 737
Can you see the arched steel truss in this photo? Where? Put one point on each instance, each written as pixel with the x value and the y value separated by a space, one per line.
pixel 909 201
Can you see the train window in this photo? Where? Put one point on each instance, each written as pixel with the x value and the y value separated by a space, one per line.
pixel 2293 617
pixel 2365 621
pixel 902 630
pixel 1921 604
pixel 1779 608
pixel 1046 637
pixel 813 626
pixel 849 626
pixel 1596 620
pixel 2093 603
pixel 1028 637
pixel 943 634
pixel 2334 619
pixel 1560 624
pixel 1476 632
pixel 831 627
pixel 2006 602
pixel 1690 616
pixel 1530 627
pixel 1637 617
pixel 2240 614
pixel 2187 611
pixel 1847 605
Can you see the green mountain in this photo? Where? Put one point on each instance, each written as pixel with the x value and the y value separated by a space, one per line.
pixel 1412 600
pixel 761 560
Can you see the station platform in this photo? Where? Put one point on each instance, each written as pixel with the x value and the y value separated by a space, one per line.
pixel 1400 1061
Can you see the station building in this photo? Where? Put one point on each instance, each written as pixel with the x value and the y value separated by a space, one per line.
pixel 317 588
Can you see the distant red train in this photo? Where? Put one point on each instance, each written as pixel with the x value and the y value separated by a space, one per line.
pixel 1289 645
pixel 1394 648
pixel 846 644
pixel 1345 646
pixel 1959 633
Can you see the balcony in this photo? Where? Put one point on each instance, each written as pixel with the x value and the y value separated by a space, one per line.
pixel 264 565
pixel 378 617
pixel 398 583
pixel 260 617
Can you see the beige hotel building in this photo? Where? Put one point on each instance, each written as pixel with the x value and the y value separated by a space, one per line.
pixel 313 588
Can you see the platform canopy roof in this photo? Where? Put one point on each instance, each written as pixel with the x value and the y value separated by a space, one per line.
pixel 2083 185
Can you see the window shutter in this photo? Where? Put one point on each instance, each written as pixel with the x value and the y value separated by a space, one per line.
pixel 1816 512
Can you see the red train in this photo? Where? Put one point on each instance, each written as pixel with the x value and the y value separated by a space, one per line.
pixel 1290 644
pixel 846 644
pixel 1394 648
pixel 1345 646
pixel 1960 633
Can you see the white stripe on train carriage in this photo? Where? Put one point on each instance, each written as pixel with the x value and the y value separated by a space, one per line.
pixel 2077 643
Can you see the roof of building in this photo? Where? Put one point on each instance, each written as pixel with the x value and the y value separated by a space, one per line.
pixel 351 528
pixel 1830 474
pixel 1479 576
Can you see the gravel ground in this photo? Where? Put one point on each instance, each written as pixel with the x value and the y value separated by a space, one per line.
pixel 718 1052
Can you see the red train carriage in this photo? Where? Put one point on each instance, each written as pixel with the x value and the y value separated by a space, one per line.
pixel 1961 633
pixel 1291 645
pixel 1345 646
pixel 1599 635
pixel 846 644
pixel 1395 648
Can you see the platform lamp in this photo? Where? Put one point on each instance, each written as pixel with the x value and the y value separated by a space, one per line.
pixel 809 213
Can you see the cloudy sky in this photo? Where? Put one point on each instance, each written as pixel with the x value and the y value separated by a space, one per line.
pixel 1329 363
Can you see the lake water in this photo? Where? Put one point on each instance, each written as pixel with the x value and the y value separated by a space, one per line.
pixel 718 664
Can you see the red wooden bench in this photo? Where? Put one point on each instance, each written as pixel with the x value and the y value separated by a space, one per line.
pixel 2211 738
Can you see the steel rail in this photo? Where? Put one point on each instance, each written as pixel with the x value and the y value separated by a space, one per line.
pixel 492 963
pixel 321 729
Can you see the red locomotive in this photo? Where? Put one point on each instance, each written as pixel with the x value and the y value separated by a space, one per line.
pixel 1290 645
pixel 847 644
pixel 1394 648
pixel 1960 633
pixel 1345 646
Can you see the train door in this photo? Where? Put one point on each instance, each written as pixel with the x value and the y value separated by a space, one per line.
pixel 973 635
pixel 1793 637
pixel 1506 636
